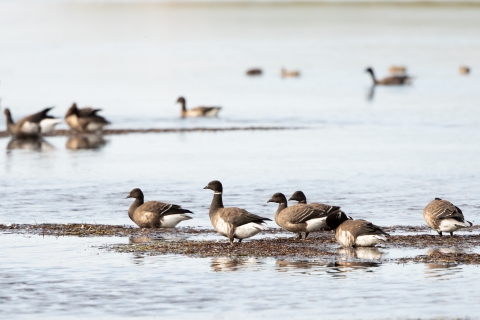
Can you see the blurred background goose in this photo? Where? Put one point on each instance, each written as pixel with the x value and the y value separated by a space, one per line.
pixel 292 73
pixel 233 223
pixel 155 214
pixel 198 111
pixel 464 70
pixel 85 119
pixel 254 72
pixel 298 218
pixel 355 233
pixel 389 81
pixel 32 126
pixel 397 70
pixel 443 216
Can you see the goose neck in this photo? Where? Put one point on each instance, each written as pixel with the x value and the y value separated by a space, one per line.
pixel 137 203
pixel 281 206
pixel 217 202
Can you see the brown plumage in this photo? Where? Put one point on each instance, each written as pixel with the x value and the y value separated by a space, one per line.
pixel 464 70
pixel 443 216
pixel 302 199
pixel 85 119
pixel 198 111
pixel 393 80
pixel 155 214
pixel 254 72
pixel 293 73
pixel 31 126
pixel 233 223
pixel 298 218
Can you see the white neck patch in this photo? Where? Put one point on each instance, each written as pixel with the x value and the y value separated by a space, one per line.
pixel 217 193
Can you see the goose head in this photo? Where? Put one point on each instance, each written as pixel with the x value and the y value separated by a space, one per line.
pixel 335 219
pixel 278 198
pixel 135 193
pixel 298 196
pixel 215 186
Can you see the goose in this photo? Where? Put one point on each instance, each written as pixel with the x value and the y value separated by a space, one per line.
pixel 443 216
pixel 298 218
pixel 198 111
pixel 397 69
pixel 155 214
pixel 32 126
pixel 254 72
pixel 389 81
pixel 302 199
pixel 293 73
pixel 233 223
pixel 85 119
pixel 464 70
pixel 355 233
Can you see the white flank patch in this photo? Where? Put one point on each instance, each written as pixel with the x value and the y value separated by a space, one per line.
pixel 94 126
pixel 30 128
pixel 248 230
pixel 194 113
pixel 316 224
pixel 345 238
pixel 222 227
pixel 450 225
pixel 370 240
pixel 212 113
pixel 48 125
pixel 171 220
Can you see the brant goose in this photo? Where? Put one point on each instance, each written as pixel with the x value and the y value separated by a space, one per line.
pixel 393 80
pixel 232 222
pixel 397 69
pixel 32 126
pixel 302 199
pixel 85 119
pixel 294 73
pixel 355 233
pixel 443 216
pixel 464 70
pixel 198 111
pixel 254 72
pixel 299 217
pixel 155 214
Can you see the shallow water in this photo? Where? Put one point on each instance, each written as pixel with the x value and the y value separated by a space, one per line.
pixel 382 159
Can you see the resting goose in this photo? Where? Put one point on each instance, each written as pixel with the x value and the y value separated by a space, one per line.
pixel 198 111
pixel 389 81
pixel 302 199
pixel 254 72
pixel 32 126
pixel 85 119
pixel 233 223
pixel 298 218
pixel 155 214
pixel 286 73
pixel 355 233
pixel 443 216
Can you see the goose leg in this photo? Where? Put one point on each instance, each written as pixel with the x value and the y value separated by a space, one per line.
pixel 451 233
pixel 440 233
pixel 240 240
pixel 299 236
pixel 306 235
pixel 231 241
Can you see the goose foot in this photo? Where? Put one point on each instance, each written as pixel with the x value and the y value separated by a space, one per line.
pixel 440 233
pixel 451 233
pixel 299 236
pixel 240 240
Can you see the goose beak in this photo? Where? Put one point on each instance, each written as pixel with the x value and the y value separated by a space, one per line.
pixel 129 196
pixel 290 199
pixel 270 201
pixel 205 187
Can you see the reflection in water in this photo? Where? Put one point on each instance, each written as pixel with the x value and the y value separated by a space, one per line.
pixel 225 264
pixel 370 253
pixel 371 93
pixel 286 265
pixel 442 271
pixel 35 144
pixel 90 141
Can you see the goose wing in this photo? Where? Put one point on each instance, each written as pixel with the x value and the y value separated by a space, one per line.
pixel 362 227
pixel 301 213
pixel 239 217
pixel 162 208
pixel 443 209
pixel 37 117
pixel 324 207
pixel 88 111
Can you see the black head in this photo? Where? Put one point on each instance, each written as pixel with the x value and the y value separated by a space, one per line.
pixel 215 185
pixel 72 110
pixel 438 199
pixel 278 198
pixel 335 219
pixel 298 196
pixel 369 69
pixel 135 193
pixel 181 100
pixel 7 113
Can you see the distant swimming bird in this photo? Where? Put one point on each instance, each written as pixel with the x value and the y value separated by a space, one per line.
pixel 155 214
pixel 293 73
pixel 254 72
pixel 298 218
pixel 198 111
pixel 233 223
pixel 397 69
pixel 464 70
pixel 390 81
pixel 443 216
pixel 355 233
pixel 32 126
pixel 85 119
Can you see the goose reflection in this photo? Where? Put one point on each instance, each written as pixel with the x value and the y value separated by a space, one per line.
pixel 33 144
pixel 287 265
pixel 371 93
pixel 442 269
pixel 226 264
pixel 83 142
pixel 364 253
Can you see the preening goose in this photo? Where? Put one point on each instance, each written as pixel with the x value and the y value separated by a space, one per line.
pixel 390 81
pixel 355 233
pixel 298 218
pixel 443 216
pixel 32 126
pixel 233 223
pixel 198 111
pixel 85 119
pixel 155 214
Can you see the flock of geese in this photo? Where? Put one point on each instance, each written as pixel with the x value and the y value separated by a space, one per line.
pixel 301 218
